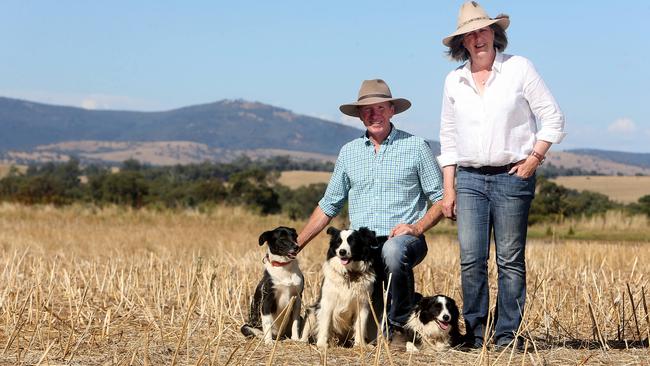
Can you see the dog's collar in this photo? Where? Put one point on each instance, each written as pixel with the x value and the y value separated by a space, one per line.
pixel 275 263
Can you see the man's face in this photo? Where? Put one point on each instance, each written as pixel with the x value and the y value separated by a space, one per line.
pixel 376 117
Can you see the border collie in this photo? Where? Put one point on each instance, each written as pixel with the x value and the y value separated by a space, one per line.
pixel 282 280
pixel 343 307
pixel 433 324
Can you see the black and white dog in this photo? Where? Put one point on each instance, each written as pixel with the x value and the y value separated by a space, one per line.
pixel 433 324
pixel 282 280
pixel 343 307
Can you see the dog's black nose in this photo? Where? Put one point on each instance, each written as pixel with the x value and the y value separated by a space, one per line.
pixel 343 252
pixel 445 317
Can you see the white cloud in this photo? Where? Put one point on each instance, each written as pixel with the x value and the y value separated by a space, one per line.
pixel 622 125
pixel 89 104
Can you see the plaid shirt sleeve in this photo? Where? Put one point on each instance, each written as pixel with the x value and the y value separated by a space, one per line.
pixel 337 189
pixel 429 173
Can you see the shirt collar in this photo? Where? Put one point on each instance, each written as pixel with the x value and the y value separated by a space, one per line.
pixel 390 137
pixel 466 70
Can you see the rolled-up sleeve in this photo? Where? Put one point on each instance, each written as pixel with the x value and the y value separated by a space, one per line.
pixel 448 153
pixel 337 190
pixel 429 173
pixel 543 105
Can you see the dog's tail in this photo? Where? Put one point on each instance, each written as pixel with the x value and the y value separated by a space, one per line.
pixel 251 331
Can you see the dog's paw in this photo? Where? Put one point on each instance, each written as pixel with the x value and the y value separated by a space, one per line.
pixel 441 346
pixel 411 348
pixel 268 341
pixel 322 344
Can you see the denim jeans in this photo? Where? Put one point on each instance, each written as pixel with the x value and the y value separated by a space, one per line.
pixel 499 204
pixel 399 255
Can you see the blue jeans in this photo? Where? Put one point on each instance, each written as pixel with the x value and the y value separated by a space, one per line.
pixel 399 255
pixel 496 203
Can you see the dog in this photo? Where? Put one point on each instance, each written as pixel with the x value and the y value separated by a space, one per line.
pixel 282 280
pixel 433 323
pixel 343 306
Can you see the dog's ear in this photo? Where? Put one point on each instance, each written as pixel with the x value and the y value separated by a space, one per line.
pixel 417 297
pixel 332 231
pixel 266 236
pixel 369 235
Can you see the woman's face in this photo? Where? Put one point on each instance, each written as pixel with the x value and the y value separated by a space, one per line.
pixel 479 41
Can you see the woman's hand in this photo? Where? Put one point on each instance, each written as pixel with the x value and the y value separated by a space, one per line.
pixel 449 203
pixel 525 168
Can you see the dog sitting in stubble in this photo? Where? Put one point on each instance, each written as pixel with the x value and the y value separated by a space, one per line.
pixel 343 307
pixel 433 324
pixel 282 280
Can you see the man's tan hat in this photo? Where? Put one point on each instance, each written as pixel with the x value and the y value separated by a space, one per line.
pixel 373 92
pixel 472 17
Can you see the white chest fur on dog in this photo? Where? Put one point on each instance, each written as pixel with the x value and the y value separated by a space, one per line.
pixel 287 283
pixel 345 295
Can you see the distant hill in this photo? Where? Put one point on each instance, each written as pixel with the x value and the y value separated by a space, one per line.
pixel 220 131
pixel 637 159
pixel 227 124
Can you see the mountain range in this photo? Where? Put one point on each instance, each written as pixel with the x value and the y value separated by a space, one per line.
pixel 219 131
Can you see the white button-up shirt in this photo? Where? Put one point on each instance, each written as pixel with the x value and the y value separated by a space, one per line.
pixel 500 126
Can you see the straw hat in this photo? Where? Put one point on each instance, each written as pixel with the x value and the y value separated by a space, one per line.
pixel 373 92
pixel 472 17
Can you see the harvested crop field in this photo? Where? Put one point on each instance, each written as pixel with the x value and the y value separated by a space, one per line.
pixel 88 286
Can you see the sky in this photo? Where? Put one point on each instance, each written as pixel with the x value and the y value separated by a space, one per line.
pixel 310 57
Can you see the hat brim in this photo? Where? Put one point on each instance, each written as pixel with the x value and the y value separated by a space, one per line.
pixel 502 22
pixel 352 109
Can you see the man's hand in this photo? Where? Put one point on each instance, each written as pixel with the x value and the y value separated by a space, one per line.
pixel 405 229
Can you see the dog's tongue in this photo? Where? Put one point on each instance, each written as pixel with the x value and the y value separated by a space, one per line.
pixel 345 261
pixel 443 325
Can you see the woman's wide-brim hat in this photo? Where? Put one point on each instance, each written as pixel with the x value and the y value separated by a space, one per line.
pixel 472 17
pixel 373 92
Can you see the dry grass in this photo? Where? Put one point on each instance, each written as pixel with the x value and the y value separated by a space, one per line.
pixel 83 286
pixel 621 189
pixel 5 168
pixel 296 178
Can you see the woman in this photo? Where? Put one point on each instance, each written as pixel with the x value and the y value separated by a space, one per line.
pixel 491 146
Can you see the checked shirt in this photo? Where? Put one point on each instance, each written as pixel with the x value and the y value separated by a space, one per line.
pixel 385 188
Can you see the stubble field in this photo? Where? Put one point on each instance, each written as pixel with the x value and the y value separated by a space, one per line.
pixel 84 286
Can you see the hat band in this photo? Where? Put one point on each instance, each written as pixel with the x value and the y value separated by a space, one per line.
pixel 373 96
pixel 471 20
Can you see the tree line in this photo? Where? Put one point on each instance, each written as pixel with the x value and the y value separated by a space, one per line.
pixel 243 182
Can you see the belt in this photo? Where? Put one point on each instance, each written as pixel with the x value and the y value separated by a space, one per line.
pixel 489 170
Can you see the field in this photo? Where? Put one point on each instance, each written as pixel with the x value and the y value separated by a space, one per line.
pixel 296 178
pixel 112 286
pixel 622 189
pixel 625 189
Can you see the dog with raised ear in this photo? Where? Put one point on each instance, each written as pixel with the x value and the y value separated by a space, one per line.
pixel 282 281
pixel 342 310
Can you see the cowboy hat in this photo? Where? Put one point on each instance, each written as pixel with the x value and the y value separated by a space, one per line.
pixel 373 92
pixel 472 17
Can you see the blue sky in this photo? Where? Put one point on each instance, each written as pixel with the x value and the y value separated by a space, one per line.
pixel 310 57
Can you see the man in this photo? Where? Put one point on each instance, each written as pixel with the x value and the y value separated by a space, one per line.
pixel 387 175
